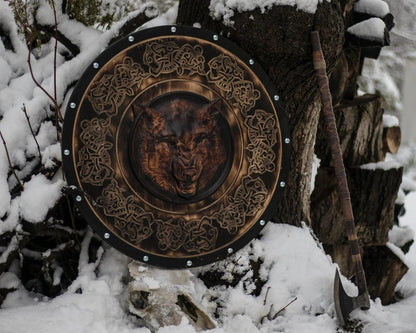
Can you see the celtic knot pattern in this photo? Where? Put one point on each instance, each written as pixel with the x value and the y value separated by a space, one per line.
pixel 225 73
pixel 165 57
pixel 139 75
pixel 130 219
pixel 94 160
pixel 194 236
pixel 262 133
pixel 248 199
pixel 109 92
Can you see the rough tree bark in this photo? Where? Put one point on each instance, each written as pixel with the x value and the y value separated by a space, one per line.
pixel 279 41
pixel 360 129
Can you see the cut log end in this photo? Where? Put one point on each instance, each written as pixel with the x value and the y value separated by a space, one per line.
pixel 391 139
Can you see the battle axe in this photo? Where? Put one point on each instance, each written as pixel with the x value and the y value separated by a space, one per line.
pixel 344 304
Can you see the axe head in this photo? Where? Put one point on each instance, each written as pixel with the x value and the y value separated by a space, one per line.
pixel 345 304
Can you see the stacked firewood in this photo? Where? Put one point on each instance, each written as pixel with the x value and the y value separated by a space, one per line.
pixel 365 141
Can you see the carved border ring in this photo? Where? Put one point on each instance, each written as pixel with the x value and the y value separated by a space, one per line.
pixel 137 69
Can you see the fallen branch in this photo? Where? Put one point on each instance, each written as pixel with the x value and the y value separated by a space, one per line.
pixel 60 37
pixel 283 309
pixel 135 23
pixel 271 317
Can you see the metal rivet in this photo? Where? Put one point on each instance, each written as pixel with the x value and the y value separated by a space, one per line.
pixel 251 61
pixel 173 29
pixel 145 258
pixel 282 184
pixel 78 198
pixel 106 235
pixel 95 65
pixel 215 37
pixel 67 152
pixel 287 140
pixel 262 222
pixel 131 38
pixel 189 263
pixel 276 97
pixel 72 105
pixel 230 250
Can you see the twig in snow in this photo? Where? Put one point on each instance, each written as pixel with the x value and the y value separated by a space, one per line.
pixel 9 160
pixel 269 316
pixel 283 309
pixel 31 130
pixel 265 297
pixel 55 52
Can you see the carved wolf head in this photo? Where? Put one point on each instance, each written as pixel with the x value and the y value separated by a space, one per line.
pixel 181 148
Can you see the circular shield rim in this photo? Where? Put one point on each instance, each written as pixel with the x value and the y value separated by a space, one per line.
pixel 81 198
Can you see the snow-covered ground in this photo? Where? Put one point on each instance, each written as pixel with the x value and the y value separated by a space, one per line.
pixel 299 274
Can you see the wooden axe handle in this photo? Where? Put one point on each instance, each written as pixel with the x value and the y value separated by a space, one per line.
pixel 341 177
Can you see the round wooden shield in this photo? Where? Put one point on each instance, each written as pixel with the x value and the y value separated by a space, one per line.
pixel 176 145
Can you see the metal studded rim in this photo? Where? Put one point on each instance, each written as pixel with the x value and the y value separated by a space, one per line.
pixel 86 204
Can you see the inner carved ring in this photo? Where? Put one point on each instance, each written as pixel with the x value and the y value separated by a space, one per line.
pixel 181 148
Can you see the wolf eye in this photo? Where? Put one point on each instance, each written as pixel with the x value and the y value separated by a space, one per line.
pixel 201 137
pixel 167 139
pixel 206 122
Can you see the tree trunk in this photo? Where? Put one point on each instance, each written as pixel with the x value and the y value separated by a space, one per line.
pixel 280 41
pixel 360 128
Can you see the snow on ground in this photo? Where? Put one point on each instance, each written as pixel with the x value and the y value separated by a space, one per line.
pixel 300 275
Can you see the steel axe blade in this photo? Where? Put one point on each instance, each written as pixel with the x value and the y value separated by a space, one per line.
pixel 345 304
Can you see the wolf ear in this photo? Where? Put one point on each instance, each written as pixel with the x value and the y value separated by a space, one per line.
pixel 214 107
pixel 138 109
pixel 141 110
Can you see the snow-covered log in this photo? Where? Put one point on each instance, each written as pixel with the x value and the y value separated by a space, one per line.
pixel 365 9
pixel 371 33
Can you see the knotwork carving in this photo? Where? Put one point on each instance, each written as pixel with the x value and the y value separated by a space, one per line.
pixel 131 220
pixel 176 148
pixel 248 199
pixel 108 93
pixel 94 161
pixel 262 133
pixel 225 73
pixel 193 236
pixel 165 57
